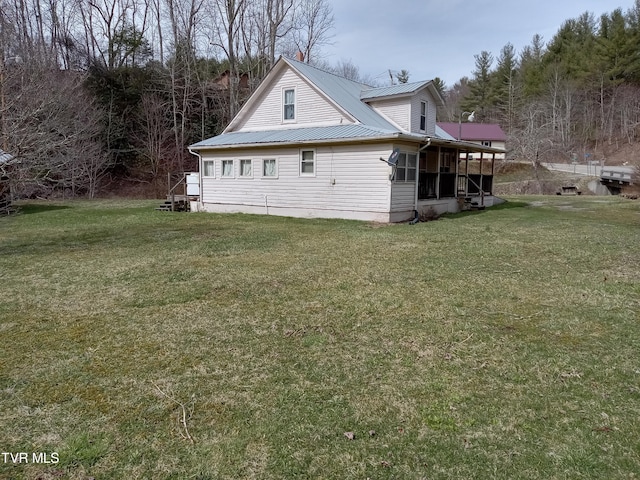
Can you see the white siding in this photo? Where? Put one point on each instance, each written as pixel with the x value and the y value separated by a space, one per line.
pixel 403 196
pixel 311 108
pixel 347 179
pixel 423 96
pixel 398 110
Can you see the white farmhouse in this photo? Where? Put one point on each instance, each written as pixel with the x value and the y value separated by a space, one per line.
pixel 309 143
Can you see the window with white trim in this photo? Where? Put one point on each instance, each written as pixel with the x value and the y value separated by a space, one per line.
pixel 208 168
pixel 289 104
pixel 486 143
pixel 227 168
pixel 269 167
pixel 407 167
pixel 423 116
pixel 307 162
pixel 246 168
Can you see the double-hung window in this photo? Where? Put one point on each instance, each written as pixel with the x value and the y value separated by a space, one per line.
pixel 307 162
pixel 289 104
pixel 227 168
pixel 245 168
pixel 423 116
pixel 208 168
pixel 407 167
pixel 269 168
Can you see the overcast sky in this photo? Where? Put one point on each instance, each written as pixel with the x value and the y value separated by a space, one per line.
pixel 438 38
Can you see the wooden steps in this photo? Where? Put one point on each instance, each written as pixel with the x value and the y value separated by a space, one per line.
pixel 179 205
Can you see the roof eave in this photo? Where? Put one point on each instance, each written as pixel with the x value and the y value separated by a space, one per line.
pixel 378 138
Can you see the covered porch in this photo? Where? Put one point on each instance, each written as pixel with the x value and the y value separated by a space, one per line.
pixel 449 172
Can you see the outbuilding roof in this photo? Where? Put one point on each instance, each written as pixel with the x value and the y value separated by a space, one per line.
pixel 5 157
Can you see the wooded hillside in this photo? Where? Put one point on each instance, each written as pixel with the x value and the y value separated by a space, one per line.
pixel 96 91
pixel 575 97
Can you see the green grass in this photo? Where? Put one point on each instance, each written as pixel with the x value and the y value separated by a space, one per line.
pixel 495 344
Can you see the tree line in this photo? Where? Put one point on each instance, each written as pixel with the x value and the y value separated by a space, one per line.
pixel 575 97
pixel 96 91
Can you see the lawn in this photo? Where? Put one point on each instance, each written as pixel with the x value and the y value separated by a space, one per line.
pixel 147 345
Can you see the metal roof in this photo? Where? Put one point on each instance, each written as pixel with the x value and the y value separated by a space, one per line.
pixel 296 135
pixel 5 157
pixel 440 133
pixel 344 92
pixel 400 89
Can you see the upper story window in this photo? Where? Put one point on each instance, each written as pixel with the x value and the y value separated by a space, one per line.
pixel 289 104
pixel 486 143
pixel 423 116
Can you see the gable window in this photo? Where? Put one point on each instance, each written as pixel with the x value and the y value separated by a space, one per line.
pixel 227 168
pixel 269 167
pixel 406 167
pixel 245 168
pixel 423 116
pixel 307 162
pixel 289 104
pixel 486 143
pixel 208 168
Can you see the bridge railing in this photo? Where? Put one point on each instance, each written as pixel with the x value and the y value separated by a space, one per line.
pixel 615 175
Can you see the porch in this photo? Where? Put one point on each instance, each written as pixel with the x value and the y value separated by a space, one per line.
pixel 446 172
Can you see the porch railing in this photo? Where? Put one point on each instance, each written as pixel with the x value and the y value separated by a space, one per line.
pixel 452 185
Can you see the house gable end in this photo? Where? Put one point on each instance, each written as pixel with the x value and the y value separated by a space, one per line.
pixel 405 108
pixel 307 105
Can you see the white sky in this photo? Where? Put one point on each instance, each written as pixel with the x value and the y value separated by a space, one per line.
pixel 438 38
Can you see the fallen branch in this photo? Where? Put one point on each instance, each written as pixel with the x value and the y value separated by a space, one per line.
pixel 182 406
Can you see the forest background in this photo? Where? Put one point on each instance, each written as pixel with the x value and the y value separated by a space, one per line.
pixel 103 97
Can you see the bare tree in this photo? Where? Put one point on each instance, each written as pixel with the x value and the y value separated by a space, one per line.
pixel 314 22
pixel 54 130
pixel 154 136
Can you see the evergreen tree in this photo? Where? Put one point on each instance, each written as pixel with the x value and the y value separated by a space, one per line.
pixel 480 98
pixel 531 68
pixel 504 85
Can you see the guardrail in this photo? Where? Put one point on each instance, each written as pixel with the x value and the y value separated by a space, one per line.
pixel 621 176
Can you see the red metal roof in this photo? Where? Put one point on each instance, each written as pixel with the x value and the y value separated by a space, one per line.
pixel 475 131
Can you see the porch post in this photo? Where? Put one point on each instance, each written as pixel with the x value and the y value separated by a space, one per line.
pixel 481 178
pixel 438 179
pixel 457 170
pixel 466 175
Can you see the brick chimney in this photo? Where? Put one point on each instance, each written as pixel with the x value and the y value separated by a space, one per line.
pixel 300 56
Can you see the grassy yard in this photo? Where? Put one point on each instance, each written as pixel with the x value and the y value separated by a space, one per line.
pixel 145 345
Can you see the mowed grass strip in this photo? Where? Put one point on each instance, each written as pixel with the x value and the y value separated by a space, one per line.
pixel 498 344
